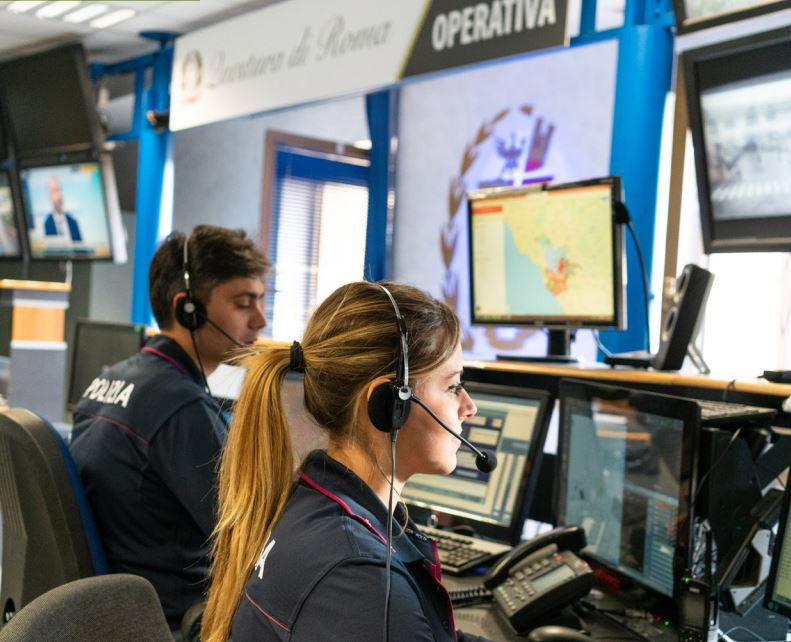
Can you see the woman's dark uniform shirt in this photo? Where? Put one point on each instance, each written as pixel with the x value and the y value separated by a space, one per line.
pixel 146 438
pixel 321 574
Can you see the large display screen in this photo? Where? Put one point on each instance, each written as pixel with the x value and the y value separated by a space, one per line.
pixel 626 468
pixel 740 117
pixel 547 256
pixel 10 242
pixel 66 211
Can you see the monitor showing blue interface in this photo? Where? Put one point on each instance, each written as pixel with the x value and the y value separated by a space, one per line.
pixel 511 422
pixel 10 244
pixel 626 466
pixel 66 211
pixel 547 255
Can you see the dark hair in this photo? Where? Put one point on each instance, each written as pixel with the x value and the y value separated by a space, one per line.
pixel 215 255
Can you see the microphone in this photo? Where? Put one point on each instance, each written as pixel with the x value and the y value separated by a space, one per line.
pixel 238 344
pixel 485 461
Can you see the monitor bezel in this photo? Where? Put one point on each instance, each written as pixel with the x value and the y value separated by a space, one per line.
pixel 618 318
pixel 19 217
pixel 666 405
pixel 100 161
pixel 449 518
pixel 84 322
pixel 737 234
pixel 685 24
pixel 783 532
pixel 77 52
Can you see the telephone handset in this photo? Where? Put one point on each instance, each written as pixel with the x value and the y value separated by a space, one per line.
pixel 540 576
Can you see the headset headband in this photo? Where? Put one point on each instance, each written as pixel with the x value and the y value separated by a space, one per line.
pixel 402 366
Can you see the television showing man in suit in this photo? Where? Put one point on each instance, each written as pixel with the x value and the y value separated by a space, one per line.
pixel 58 221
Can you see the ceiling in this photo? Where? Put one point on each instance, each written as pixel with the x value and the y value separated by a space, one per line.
pixel 22 33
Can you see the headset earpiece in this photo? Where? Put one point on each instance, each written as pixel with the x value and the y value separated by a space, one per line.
pixel 190 313
pixel 390 402
pixel 387 410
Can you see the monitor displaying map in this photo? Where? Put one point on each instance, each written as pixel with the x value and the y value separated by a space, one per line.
pixel 546 255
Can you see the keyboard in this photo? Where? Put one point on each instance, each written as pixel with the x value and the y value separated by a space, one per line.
pixel 461 553
pixel 724 413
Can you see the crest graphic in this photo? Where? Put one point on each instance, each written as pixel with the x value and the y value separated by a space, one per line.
pixel 520 163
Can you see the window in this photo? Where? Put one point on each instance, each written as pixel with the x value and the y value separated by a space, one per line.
pixel 314 225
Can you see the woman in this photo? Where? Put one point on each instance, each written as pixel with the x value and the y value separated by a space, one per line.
pixel 307 560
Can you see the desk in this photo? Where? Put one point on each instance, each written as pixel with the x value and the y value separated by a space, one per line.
pixel 546 376
pixel 486 620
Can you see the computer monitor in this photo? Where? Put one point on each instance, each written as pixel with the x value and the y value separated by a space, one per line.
pixel 549 256
pixel 626 464
pixel 10 238
pixel 777 597
pixel 511 422
pixel 97 346
pixel 66 211
pixel 49 103
pixel 739 101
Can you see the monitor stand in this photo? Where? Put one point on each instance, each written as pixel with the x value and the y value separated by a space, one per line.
pixel 558 350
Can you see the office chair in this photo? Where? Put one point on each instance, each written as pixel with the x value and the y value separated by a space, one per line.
pixel 49 536
pixel 118 607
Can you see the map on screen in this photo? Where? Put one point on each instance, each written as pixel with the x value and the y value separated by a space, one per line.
pixel 544 255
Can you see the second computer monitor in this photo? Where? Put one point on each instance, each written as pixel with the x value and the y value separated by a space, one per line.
pixel 98 345
pixel 625 473
pixel 512 423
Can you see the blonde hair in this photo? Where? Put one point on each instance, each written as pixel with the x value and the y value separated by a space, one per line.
pixel 351 339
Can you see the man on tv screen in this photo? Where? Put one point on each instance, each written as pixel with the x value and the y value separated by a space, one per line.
pixel 58 222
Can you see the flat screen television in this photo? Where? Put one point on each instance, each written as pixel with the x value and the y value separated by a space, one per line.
pixel 692 15
pixel 548 256
pixel 66 211
pixel 10 238
pixel 739 101
pixel 49 103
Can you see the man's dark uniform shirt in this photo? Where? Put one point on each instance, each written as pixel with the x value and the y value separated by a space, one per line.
pixel 321 574
pixel 146 440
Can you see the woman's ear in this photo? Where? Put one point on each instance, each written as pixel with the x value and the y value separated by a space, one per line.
pixel 375 384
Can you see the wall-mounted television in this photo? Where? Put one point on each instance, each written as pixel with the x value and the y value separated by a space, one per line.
pixel 739 100
pixel 49 103
pixel 10 238
pixel 692 15
pixel 66 211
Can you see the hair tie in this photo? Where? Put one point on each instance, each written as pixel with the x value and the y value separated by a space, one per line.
pixel 297 363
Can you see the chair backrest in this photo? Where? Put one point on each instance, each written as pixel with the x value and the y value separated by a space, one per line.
pixel 118 607
pixel 49 537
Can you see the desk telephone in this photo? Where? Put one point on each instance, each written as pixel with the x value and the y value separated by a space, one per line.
pixel 540 576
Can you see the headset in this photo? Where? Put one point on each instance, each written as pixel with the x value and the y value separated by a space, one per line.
pixel 191 312
pixel 391 401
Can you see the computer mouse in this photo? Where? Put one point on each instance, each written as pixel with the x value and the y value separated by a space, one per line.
pixel 554 633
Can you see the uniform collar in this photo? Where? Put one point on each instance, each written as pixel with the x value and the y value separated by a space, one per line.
pixel 338 483
pixel 169 350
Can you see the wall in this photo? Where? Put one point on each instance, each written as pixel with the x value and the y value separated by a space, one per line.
pixel 219 168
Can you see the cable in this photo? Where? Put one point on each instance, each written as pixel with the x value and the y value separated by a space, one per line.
pixel 743 628
pixel 600 345
pixel 645 285
pixel 200 363
pixel 389 543
pixel 731 385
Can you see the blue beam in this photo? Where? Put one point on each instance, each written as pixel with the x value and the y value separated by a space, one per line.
pixel 645 57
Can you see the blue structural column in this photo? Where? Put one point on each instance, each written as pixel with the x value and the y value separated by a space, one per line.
pixel 152 155
pixel 378 107
pixel 645 59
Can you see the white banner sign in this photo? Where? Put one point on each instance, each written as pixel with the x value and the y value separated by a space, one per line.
pixel 299 51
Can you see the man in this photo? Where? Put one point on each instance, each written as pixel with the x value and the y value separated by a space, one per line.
pixel 58 222
pixel 147 434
